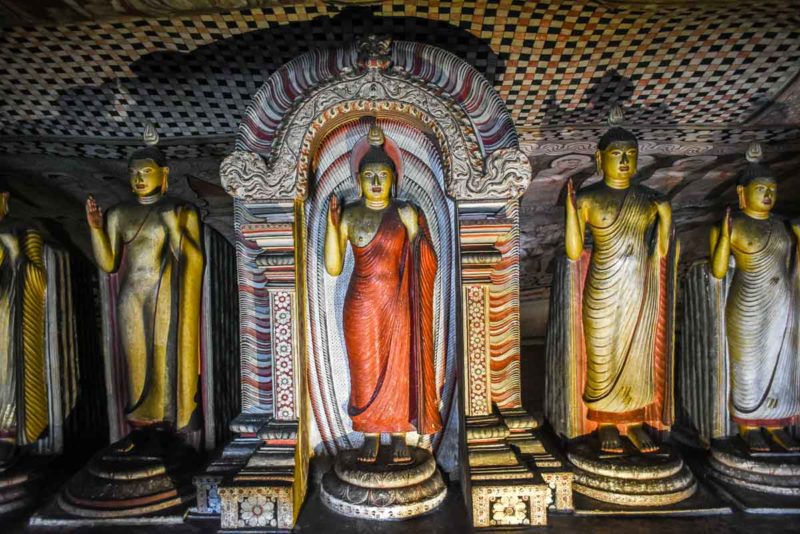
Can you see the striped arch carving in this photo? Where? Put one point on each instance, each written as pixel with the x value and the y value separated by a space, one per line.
pixel 474 130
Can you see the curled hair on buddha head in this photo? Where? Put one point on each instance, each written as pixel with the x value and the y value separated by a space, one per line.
pixel 151 151
pixel 754 168
pixel 616 134
pixel 376 153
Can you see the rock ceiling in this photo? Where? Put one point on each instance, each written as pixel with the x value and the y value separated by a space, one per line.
pixel 698 83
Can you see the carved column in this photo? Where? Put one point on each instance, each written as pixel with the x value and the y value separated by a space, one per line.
pixel 268 490
pixel 512 475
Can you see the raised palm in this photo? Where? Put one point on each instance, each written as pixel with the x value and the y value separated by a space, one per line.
pixel 335 211
pixel 94 215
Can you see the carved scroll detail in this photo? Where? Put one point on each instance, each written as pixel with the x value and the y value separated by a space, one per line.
pixel 508 174
pixel 244 175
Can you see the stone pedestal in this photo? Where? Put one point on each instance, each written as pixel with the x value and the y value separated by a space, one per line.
pixel 631 478
pixel 383 490
pixel 144 478
pixel 758 482
pixel 20 482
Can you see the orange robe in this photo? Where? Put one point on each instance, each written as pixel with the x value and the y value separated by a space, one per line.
pixel 388 331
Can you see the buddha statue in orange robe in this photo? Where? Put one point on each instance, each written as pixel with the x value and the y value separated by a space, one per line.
pixel 388 309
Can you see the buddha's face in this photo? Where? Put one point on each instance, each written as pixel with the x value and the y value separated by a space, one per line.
pixel 376 181
pixel 147 177
pixel 618 161
pixel 758 195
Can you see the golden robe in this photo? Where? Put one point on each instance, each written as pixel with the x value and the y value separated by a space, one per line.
pixel 609 357
pixel 157 380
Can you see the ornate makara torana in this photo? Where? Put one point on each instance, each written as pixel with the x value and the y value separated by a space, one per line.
pixel 458 172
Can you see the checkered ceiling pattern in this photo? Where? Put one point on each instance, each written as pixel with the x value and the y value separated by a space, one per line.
pixel 555 64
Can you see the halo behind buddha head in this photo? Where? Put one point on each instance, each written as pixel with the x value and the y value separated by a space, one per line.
pixel 376 147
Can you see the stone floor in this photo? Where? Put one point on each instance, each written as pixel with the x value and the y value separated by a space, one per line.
pixel 451 518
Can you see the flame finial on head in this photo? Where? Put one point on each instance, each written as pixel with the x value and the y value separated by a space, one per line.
pixel 616 133
pixel 376 136
pixel 755 168
pixel 615 115
pixel 150 135
pixel 754 153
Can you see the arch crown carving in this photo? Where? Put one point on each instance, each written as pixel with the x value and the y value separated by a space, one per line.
pixel 374 85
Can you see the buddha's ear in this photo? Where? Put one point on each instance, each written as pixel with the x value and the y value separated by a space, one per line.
pixel 598 159
pixel 740 194
pixel 6 196
pixel 164 180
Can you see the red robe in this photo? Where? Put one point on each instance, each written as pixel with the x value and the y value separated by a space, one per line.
pixel 388 331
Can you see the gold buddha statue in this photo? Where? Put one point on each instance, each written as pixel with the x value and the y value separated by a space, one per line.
pixel 153 245
pixel 624 296
pixel 23 283
pixel 388 309
pixel 761 314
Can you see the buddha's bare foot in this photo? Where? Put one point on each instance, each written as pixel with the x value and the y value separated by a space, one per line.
pixel 782 438
pixel 641 439
pixel 125 445
pixel 369 450
pixel 609 439
pixel 754 439
pixel 400 452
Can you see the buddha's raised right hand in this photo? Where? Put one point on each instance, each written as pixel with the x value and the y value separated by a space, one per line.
pixel 572 201
pixel 573 229
pixel 727 223
pixel 335 211
pixel 94 215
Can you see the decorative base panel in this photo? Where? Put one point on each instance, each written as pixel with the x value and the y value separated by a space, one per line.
pixel 383 491
pixel 257 505
pixel 761 483
pixel 515 503
pixel 548 460
pixel 394 512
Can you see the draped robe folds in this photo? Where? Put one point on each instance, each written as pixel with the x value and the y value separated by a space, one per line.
pixel 626 313
pixel 8 358
pixel 388 331
pixel 23 392
pixel 146 300
pixel 761 319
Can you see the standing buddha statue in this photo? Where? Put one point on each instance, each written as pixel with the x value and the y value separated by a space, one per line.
pixel 610 333
pixel 152 250
pixel 761 315
pixel 153 245
pixel 23 382
pixel 388 309
pixel 739 366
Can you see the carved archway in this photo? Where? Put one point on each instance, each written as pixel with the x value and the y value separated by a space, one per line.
pixel 277 181
pixel 300 103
